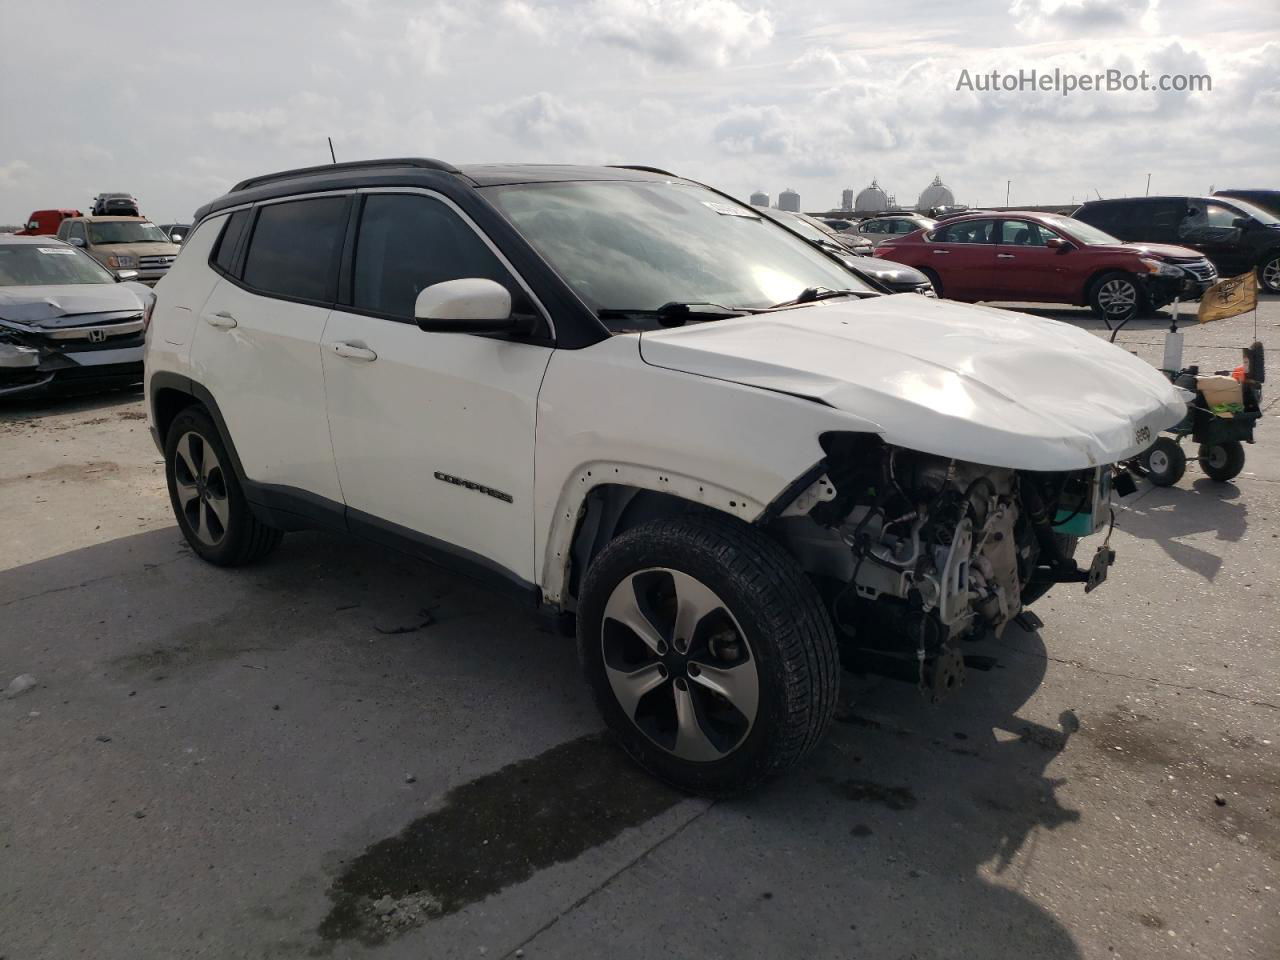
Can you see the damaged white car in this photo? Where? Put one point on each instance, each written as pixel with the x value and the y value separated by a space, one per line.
pixel 647 410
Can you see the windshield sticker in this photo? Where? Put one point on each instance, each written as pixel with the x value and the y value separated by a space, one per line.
pixel 727 211
pixel 63 251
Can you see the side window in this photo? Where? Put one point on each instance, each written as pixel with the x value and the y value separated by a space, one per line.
pixel 64 228
pixel 295 248
pixel 969 231
pixel 1024 233
pixel 224 251
pixel 406 243
pixel 77 231
pixel 1219 216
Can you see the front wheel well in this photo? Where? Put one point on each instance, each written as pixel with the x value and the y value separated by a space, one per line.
pixel 166 404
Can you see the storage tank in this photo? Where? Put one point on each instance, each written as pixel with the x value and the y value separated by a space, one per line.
pixel 759 199
pixel 846 200
pixel 871 199
pixel 789 200
pixel 936 194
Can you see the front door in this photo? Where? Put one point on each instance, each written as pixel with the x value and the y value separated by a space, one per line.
pixel 1212 229
pixel 432 432
pixel 1026 269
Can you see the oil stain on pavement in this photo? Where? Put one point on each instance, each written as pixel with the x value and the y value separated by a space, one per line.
pixel 490 833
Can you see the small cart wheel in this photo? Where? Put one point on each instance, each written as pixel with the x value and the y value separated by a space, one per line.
pixel 1222 461
pixel 1165 462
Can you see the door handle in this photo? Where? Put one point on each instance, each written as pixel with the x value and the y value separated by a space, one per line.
pixel 1005 256
pixel 353 351
pixel 942 253
pixel 222 320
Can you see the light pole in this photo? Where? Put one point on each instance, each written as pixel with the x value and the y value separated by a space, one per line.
pixel 1008 184
pixel 1148 190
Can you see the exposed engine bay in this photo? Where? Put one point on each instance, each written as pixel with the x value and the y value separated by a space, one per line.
pixel 915 552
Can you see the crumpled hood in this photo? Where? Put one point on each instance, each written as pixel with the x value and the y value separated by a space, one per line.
pixel 50 305
pixel 975 383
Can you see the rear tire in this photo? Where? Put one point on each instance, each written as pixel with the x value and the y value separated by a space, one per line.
pixel 1117 298
pixel 755 629
pixel 207 500
pixel 1222 461
pixel 935 280
pixel 1164 462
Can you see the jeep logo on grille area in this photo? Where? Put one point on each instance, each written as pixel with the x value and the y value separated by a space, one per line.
pixel 97 336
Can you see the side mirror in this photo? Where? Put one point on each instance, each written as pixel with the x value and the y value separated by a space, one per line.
pixel 76 241
pixel 1057 243
pixel 1241 223
pixel 123 275
pixel 470 305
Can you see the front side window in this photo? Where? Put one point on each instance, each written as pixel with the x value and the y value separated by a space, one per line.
pixel 969 231
pixel 125 231
pixel 295 248
pixel 77 231
pixel 639 245
pixel 407 243
pixel 29 265
pixel 1024 233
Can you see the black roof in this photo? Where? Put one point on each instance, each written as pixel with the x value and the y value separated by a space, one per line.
pixel 413 171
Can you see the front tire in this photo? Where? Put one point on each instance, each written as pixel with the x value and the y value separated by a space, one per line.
pixel 207 500
pixel 935 280
pixel 709 652
pixel 1269 273
pixel 1222 461
pixel 1165 462
pixel 1117 298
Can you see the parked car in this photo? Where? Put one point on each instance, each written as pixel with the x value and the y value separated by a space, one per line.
pixel 115 205
pixel 879 229
pixel 1045 258
pixel 637 404
pixel 122 243
pixel 66 324
pixel 1268 200
pixel 176 232
pixel 817 231
pixel 854 254
pixel 45 223
pixel 835 223
pixel 1235 234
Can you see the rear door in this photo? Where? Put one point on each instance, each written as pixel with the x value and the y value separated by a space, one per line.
pixel 1027 269
pixel 433 432
pixel 963 255
pixel 256 345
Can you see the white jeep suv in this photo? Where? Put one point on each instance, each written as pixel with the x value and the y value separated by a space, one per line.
pixel 638 404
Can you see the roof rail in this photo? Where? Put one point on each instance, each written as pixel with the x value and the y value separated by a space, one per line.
pixel 423 162
pixel 641 167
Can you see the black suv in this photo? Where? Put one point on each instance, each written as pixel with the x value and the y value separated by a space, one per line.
pixel 1238 236
pixel 115 205
pixel 1268 200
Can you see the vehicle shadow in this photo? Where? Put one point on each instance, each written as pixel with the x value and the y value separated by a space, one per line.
pixel 1170 515
pixel 922 819
pixel 24 408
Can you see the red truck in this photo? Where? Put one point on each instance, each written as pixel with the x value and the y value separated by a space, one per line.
pixel 1043 258
pixel 44 223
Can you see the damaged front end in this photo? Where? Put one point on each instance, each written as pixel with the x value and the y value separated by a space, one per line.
pixel 915 552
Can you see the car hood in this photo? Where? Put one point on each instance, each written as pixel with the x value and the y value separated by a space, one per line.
pixel 887 271
pixel 974 383
pixel 1165 251
pixel 51 305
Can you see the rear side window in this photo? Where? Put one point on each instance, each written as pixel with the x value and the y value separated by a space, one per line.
pixel 225 251
pixel 406 243
pixel 295 247
pixel 968 231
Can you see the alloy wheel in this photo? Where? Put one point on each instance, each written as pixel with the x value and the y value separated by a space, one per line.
pixel 679 664
pixel 1271 274
pixel 1118 297
pixel 202 489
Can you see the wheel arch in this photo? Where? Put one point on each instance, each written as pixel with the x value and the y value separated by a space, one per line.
pixel 170 394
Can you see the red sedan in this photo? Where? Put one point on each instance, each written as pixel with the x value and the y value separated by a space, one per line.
pixel 1045 258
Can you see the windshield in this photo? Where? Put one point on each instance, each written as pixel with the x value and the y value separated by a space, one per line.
pixel 637 245
pixel 126 231
pixel 1084 232
pixel 1258 213
pixel 29 265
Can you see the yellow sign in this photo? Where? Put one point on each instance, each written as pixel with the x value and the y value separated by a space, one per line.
pixel 1229 298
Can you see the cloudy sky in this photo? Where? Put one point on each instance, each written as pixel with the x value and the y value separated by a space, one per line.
pixel 175 102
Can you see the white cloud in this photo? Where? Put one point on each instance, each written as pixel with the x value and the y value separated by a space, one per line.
pixel 542 119
pixel 1040 17
pixel 713 32
pixel 824 64
pixel 12 172
pixel 525 17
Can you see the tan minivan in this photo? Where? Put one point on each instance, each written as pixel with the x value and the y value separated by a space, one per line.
pixel 122 243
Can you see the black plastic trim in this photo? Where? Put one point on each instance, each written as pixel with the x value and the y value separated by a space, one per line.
pixel 425 163
pixel 790 492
